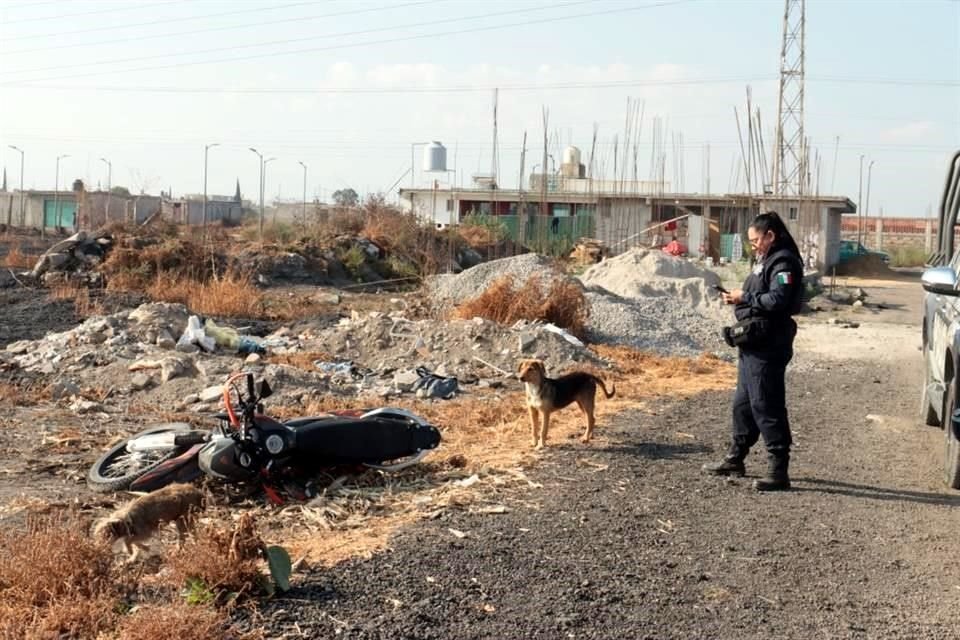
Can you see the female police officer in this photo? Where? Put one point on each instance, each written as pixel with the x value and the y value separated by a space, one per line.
pixel 770 296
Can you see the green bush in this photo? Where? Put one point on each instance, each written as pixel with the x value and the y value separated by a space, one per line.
pixel 910 256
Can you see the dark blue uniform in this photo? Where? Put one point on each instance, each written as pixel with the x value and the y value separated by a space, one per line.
pixel 773 291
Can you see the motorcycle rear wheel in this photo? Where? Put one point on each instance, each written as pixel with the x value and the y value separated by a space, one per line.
pixel 118 468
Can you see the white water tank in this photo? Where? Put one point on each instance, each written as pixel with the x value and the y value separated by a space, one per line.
pixel 571 155
pixel 435 157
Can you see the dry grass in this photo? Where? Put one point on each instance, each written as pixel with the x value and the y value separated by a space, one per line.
pixel 181 621
pixel 57 581
pixel 22 395
pixel 202 559
pixel 231 295
pixel 15 259
pixel 84 304
pixel 503 302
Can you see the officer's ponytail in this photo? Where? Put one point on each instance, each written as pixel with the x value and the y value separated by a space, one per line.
pixel 771 221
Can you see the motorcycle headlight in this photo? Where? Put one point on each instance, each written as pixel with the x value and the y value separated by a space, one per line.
pixel 274 444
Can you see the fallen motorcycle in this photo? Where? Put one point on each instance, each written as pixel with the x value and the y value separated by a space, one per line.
pixel 247 446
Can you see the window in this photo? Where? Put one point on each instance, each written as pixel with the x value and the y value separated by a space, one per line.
pixel 449 206
pixel 793 213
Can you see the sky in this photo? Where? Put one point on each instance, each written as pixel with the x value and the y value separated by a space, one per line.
pixel 350 88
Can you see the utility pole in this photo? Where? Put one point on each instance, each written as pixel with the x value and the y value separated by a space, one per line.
pixel 21 187
pixel 110 186
pixel 866 209
pixel 56 196
pixel 304 192
pixel 206 150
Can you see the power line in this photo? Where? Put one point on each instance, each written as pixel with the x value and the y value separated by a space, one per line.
pixel 376 42
pixel 166 21
pixel 129 7
pixel 30 4
pixel 140 38
pixel 307 39
pixel 613 84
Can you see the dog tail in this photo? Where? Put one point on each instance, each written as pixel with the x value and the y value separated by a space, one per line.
pixel 608 394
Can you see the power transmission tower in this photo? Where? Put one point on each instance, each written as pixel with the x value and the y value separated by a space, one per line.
pixel 789 161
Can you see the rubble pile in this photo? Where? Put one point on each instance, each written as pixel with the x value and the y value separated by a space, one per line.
pixel 446 290
pixel 142 355
pixel 79 254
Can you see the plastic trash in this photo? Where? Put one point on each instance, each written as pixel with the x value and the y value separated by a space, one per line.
pixel 430 385
pixel 224 336
pixel 248 345
pixel 194 334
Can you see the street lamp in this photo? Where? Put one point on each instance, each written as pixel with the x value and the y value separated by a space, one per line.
pixel 56 192
pixel 206 150
pixel 10 215
pixel 110 186
pixel 260 155
pixel 304 192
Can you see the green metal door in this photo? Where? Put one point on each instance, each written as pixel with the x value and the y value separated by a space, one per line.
pixel 67 215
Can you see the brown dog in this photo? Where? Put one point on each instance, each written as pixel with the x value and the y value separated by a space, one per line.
pixel 140 518
pixel 546 395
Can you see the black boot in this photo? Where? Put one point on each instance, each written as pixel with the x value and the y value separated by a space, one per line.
pixel 777 478
pixel 729 466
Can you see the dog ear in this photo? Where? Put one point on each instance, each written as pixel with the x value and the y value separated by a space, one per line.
pixel 541 367
pixel 522 364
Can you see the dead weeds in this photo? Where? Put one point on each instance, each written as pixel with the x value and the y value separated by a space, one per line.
pixel 58 581
pixel 16 259
pixel 503 302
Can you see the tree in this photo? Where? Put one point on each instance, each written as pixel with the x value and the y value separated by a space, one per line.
pixel 346 197
pixel 120 191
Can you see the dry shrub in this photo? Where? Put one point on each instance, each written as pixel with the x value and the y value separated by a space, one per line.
pixel 55 580
pixel 54 557
pixel 231 295
pixel 134 269
pixel 224 560
pixel 16 259
pixel 564 304
pixel 181 621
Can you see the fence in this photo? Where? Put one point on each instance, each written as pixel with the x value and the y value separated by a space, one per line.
pixel 887 234
pixel 550 235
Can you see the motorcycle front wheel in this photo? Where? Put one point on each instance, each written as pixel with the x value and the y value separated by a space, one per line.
pixel 130 459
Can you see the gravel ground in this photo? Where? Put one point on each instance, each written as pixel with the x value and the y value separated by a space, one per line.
pixel 628 539
pixel 454 289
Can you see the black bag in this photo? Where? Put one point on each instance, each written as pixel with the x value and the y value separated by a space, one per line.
pixel 749 332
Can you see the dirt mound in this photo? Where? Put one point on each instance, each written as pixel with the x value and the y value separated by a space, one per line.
pixel 870 266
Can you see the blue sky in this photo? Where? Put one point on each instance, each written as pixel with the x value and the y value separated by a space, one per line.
pixel 347 86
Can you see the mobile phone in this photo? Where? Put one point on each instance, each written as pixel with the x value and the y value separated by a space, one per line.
pixel 719 288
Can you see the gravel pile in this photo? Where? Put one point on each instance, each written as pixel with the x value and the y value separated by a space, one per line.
pixel 663 324
pixel 453 289
pixel 640 273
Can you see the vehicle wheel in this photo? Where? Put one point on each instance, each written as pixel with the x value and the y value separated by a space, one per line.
pixel 927 411
pixel 116 469
pixel 951 443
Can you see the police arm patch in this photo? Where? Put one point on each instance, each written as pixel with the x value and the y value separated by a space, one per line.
pixel 785 277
